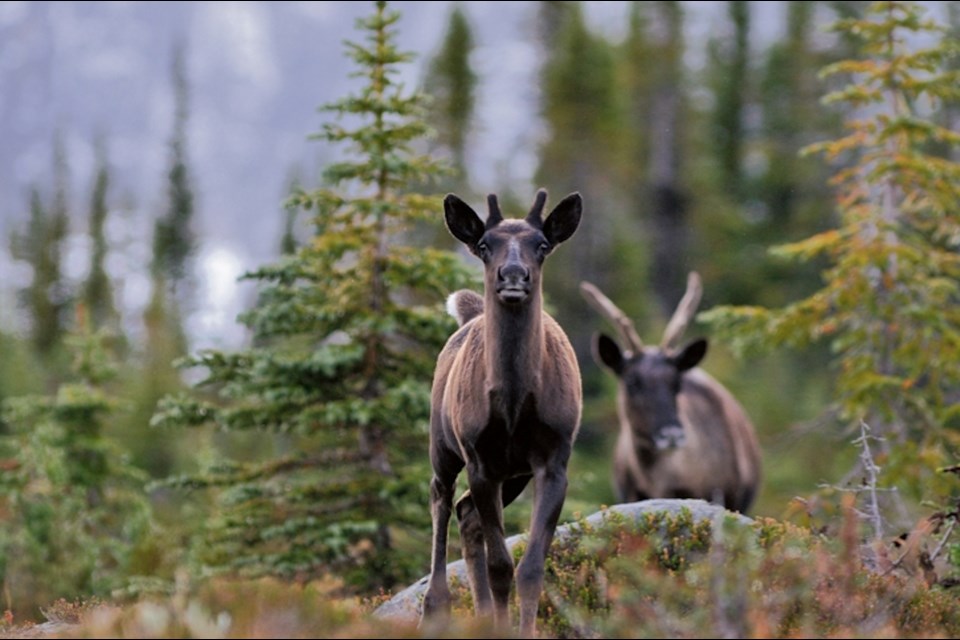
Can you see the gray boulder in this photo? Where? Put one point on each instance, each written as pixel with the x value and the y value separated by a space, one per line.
pixel 405 605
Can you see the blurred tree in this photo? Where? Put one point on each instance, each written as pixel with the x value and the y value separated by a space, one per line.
pixel 20 371
pixel 97 293
pixel 636 77
pixel 582 152
pixel 948 113
pixel 41 246
pixel 451 83
pixel 174 246
pixel 75 520
pixel 353 323
pixel 889 303
pixel 730 73
pixel 779 195
pixel 551 17
pixel 174 242
pixel 788 101
pixel 156 376
pixel 667 220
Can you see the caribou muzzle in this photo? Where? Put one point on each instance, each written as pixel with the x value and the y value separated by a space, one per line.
pixel 513 283
pixel 669 437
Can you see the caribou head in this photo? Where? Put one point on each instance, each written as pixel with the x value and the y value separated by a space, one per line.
pixel 512 250
pixel 650 377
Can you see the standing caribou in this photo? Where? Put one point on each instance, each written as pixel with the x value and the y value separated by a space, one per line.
pixel 506 404
pixel 682 434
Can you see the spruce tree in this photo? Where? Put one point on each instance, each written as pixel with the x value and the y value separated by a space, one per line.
pixel 583 151
pixel 349 327
pixel 451 83
pixel 97 292
pixel 888 306
pixel 636 77
pixel 730 58
pixel 75 517
pixel 666 200
pixel 174 243
pixel 46 297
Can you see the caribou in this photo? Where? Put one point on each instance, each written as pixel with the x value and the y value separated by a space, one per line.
pixel 682 434
pixel 506 404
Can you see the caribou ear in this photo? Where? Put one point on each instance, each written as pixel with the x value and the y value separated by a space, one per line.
pixel 607 353
pixel 462 221
pixel 691 355
pixel 564 219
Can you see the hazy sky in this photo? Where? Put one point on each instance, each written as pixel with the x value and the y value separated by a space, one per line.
pixel 257 72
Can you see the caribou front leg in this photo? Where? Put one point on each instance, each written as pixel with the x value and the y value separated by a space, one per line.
pixel 550 483
pixel 436 601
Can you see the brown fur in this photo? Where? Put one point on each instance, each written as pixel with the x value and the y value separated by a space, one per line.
pixel 682 434
pixel 719 462
pixel 506 405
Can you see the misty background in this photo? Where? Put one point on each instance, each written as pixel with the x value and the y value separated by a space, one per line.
pixel 256 73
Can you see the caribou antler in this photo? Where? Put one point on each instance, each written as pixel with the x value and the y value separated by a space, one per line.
pixel 612 312
pixel 685 312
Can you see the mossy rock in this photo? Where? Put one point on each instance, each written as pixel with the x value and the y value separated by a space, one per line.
pixel 689 569
pixel 674 528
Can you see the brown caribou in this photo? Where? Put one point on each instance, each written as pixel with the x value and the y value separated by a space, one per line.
pixel 506 404
pixel 682 434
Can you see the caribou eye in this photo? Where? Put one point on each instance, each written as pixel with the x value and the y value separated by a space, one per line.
pixel 543 248
pixel 483 250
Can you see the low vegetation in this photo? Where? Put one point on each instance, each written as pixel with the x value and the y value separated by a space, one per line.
pixel 662 576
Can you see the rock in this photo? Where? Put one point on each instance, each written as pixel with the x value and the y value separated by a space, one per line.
pixel 406 604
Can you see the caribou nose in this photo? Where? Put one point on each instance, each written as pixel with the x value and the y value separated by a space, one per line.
pixel 513 272
pixel 513 283
pixel 669 437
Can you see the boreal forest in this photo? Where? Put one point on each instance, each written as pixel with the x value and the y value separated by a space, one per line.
pixel 215 384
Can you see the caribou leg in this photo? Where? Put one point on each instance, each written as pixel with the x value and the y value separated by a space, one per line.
pixel 436 601
pixel 471 540
pixel 486 499
pixel 550 482
pixel 474 553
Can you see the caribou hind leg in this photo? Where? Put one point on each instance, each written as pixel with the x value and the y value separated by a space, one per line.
pixel 486 498
pixel 471 540
pixel 474 554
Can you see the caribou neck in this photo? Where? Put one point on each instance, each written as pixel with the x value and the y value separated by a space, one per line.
pixel 513 352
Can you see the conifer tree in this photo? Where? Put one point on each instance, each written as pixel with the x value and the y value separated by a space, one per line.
pixel 666 199
pixel 41 246
pixel 451 83
pixel 97 292
pixel 583 152
pixel 782 199
pixel 174 246
pixel 788 111
pixel 174 243
pixel 889 302
pixel 730 58
pixel 778 196
pixel 349 327
pixel 74 511
pixel 636 78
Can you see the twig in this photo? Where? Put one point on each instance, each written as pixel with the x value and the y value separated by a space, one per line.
pixel 872 471
pixel 943 541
